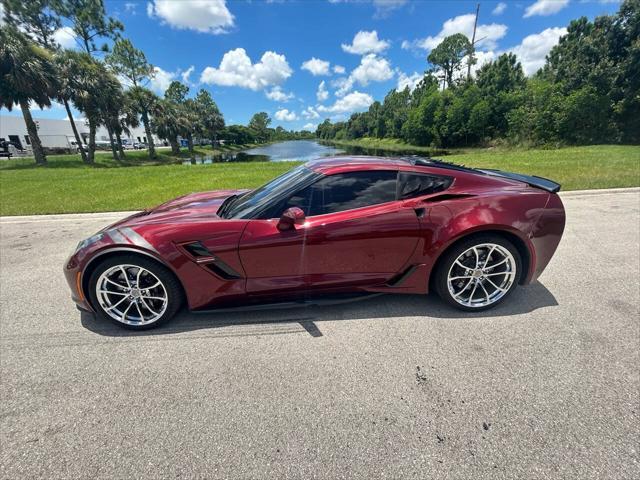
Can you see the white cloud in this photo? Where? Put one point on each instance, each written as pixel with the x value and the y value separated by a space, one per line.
pixel 310 126
pixel 65 37
pixel 500 8
pixel 1 14
pixel 186 74
pixel 130 7
pixel 410 81
pixel 366 42
pixel 316 66
pixel 339 69
pixel 310 113
pixel 236 70
pixel 545 7
pixel 322 94
pixel 487 35
pixel 278 95
pixel 161 79
pixel 207 16
pixel 371 69
pixel 285 115
pixel 355 101
pixel 534 48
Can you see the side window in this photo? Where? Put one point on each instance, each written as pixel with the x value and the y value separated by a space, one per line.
pixel 346 191
pixel 412 184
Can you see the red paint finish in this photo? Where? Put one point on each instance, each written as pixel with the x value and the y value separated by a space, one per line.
pixel 362 249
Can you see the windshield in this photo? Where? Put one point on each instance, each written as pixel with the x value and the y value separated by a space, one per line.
pixel 252 204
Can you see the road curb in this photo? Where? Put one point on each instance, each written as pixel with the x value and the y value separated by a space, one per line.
pixel 117 215
pixel 601 191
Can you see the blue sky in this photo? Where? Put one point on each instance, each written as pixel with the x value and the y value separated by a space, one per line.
pixel 273 55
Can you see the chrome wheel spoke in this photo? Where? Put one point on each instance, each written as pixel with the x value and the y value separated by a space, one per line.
pixel 146 305
pixel 486 293
pixel 140 312
pixel 115 283
pixel 470 299
pixel 459 278
pixel 116 304
pixel 126 277
pixel 111 292
pixel 496 286
pixel 126 310
pixel 152 298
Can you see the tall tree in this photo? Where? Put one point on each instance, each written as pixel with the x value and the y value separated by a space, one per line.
pixel 26 75
pixel 91 24
pixel 211 121
pixel 144 101
pixel 166 123
pixel 259 123
pixel 449 55
pixel 39 19
pixel 93 91
pixel 172 119
pixel 132 64
pixel 68 64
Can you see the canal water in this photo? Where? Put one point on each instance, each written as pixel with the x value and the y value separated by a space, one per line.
pixel 295 150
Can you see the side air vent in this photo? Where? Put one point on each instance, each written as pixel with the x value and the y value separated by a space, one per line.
pixel 197 249
pixel 207 259
pixel 401 277
pixel 222 270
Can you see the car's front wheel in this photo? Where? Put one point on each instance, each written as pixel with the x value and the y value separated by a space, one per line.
pixel 478 272
pixel 134 292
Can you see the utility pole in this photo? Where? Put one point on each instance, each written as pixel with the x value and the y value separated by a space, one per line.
pixel 473 44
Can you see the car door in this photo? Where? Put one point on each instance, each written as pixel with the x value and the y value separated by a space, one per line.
pixel 356 233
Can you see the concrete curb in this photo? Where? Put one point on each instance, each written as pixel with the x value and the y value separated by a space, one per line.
pixel 602 191
pixel 118 215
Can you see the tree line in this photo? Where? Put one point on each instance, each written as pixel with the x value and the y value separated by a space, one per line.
pixel 587 92
pixel 34 69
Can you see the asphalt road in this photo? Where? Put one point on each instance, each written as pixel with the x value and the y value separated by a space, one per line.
pixel 545 386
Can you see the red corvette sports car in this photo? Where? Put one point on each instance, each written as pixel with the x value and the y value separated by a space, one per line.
pixel 332 226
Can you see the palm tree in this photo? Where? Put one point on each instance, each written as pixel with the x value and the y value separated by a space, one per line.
pixel 94 91
pixel 132 65
pixel 68 63
pixel 144 101
pixel 166 123
pixel 27 75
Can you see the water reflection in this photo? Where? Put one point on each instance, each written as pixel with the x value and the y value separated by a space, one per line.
pixel 297 150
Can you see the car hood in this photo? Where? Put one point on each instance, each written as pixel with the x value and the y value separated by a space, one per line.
pixel 193 207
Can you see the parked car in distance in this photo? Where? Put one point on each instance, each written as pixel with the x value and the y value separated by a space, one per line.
pixel 332 226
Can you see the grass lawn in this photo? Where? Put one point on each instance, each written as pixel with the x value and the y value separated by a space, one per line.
pixel 67 186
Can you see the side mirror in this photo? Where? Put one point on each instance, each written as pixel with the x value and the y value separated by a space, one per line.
pixel 290 218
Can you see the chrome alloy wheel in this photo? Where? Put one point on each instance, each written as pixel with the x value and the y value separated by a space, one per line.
pixel 131 294
pixel 481 275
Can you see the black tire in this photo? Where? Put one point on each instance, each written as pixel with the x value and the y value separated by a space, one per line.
pixel 449 257
pixel 173 288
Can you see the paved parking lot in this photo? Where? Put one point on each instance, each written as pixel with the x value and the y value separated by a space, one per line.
pixel 545 386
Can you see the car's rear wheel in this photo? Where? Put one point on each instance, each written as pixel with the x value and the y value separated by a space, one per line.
pixel 134 292
pixel 479 272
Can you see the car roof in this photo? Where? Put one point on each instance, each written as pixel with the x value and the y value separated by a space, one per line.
pixel 350 163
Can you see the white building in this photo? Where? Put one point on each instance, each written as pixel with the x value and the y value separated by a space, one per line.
pixel 57 134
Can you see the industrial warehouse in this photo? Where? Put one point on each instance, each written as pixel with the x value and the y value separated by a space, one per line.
pixel 57 136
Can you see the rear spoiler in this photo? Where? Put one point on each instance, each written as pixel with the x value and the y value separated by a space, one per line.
pixel 532 180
